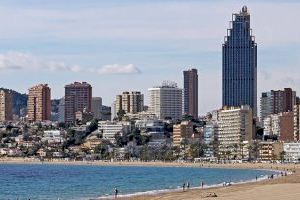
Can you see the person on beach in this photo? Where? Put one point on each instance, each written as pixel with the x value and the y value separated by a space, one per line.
pixel 183 187
pixel 256 178
pixel 202 184
pixel 116 193
pixel 188 185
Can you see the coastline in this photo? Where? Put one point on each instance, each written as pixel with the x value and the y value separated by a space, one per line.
pixel 244 190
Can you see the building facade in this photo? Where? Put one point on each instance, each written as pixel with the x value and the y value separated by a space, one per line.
pixel 292 151
pixel 190 80
pixel 181 132
pixel 270 150
pixel 61 110
pixel 6 105
pixel 109 129
pixel 97 107
pixel 39 103
pixel 166 101
pixel 240 63
pixel 130 102
pixel 277 101
pixel 280 125
pixel 235 125
pixel 296 122
pixel 209 137
pixel 78 96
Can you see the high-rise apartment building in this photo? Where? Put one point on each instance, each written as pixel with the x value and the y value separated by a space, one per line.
pixel 296 122
pixel 280 125
pixel 6 105
pixel 277 101
pixel 130 102
pixel 97 107
pixel 191 92
pixel 166 101
pixel 39 103
pixel 240 63
pixel 78 97
pixel 235 125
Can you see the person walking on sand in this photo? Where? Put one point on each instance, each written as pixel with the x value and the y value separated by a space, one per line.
pixel 187 185
pixel 116 193
pixel 183 187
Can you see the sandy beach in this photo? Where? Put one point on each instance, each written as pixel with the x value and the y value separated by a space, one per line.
pixel 286 187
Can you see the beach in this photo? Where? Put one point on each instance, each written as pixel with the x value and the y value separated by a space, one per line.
pixel 286 187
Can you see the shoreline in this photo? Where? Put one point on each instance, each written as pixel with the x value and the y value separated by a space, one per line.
pixel 266 166
pixel 193 193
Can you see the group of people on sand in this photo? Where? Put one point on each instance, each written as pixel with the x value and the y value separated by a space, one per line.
pixel 186 186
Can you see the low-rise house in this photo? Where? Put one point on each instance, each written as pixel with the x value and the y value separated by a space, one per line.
pixel 53 136
pixel 41 152
pixel 92 142
pixel 57 154
pixel 14 152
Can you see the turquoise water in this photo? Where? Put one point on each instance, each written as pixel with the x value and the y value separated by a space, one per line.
pixel 42 181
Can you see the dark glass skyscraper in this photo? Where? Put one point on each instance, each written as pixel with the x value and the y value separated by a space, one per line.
pixel 240 63
pixel 190 79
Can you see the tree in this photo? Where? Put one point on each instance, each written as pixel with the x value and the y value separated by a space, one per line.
pixel 93 126
pixel 197 149
pixel 254 150
pixel 102 149
pixel 282 155
pixel 121 114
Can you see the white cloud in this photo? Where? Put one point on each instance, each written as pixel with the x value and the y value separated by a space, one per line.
pixel 118 69
pixel 14 60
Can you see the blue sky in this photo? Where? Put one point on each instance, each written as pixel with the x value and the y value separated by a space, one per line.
pixel 133 45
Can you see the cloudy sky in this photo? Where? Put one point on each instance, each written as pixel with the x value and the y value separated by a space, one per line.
pixel 133 45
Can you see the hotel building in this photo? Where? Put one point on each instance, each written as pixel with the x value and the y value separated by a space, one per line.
pixel 166 101
pixel 78 97
pixel 39 103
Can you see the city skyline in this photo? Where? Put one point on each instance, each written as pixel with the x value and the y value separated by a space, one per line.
pixel 53 51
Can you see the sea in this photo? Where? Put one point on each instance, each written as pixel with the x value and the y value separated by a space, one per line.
pixel 86 182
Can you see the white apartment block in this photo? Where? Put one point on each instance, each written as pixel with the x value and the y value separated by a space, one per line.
pixel 235 125
pixel 297 122
pixel 109 129
pixel 292 151
pixel 166 101
pixel 53 136
pixel 272 125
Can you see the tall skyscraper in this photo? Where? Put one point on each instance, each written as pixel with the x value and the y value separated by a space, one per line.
pixel 78 97
pixel 277 101
pixel 191 92
pixel 39 103
pixel 240 63
pixel 6 105
pixel 130 102
pixel 166 101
